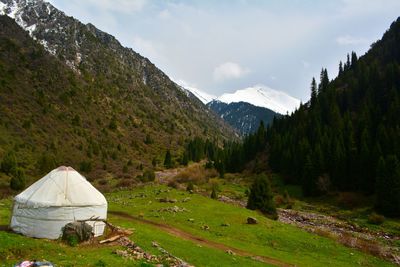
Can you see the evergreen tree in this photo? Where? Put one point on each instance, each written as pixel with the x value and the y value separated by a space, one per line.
pixel 214 194
pixel 314 91
pixel 168 160
pixel 388 186
pixel 261 197
pixel 340 68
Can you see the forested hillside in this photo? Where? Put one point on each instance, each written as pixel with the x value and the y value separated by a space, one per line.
pixel 243 116
pixel 347 137
pixel 105 121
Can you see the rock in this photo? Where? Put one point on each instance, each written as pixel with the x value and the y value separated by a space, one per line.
pixel 155 244
pixel 225 224
pixel 252 220
pixel 230 252
pixel 187 199
pixel 191 220
pixel 205 227
pixel 168 200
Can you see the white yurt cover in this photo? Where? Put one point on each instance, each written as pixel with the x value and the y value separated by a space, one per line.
pixel 60 197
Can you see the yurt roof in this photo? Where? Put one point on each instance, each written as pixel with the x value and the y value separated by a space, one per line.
pixel 61 187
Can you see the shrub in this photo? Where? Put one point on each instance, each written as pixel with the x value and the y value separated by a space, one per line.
pixel 190 187
pixel 125 169
pixel 85 166
pixel 113 124
pixel 9 163
pixel 214 194
pixel 148 176
pixel 100 263
pixel 375 218
pixel 18 180
pixel 261 197
pixel 173 184
pixel 46 163
pixel 279 200
pixel 349 200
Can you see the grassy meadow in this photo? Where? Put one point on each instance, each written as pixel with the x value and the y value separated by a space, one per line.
pixel 199 217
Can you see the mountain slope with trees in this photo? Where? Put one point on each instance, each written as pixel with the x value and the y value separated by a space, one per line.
pixel 243 116
pixel 347 137
pixel 104 119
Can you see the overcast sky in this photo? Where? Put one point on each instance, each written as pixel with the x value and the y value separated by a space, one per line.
pixel 224 45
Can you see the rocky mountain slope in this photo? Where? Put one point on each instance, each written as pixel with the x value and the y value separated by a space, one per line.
pixel 243 116
pixel 71 94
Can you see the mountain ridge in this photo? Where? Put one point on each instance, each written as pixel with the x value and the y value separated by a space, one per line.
pixel 89 102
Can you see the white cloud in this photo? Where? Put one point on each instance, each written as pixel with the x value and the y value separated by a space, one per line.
pixel 164 14
pixel 229 71
pixel 122 6
pixel 351 40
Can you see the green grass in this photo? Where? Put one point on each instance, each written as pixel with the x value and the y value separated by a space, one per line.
pixel 268 238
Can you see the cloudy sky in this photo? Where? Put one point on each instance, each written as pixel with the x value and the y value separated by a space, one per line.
pixel 225 45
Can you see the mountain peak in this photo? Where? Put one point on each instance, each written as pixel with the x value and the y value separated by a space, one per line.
pixel 263 96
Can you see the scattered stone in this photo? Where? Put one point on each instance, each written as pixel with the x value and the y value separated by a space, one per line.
pixel 230 252
pixel 187 199
pixel 191 220
pixel 168 200
pixel 205 227
pixel 252 220
pixel 225 224
pixel 174 209
pixel 155 244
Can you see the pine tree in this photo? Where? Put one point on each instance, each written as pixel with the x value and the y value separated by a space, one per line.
pixel 314 91
pixel 214 194
pixel 388 186
pixel 261 197
pixel 168 160
pixel 340 68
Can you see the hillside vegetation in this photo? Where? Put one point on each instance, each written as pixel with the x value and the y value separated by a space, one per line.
pixel 104 124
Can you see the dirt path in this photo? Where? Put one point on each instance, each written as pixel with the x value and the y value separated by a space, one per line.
pixel 201 241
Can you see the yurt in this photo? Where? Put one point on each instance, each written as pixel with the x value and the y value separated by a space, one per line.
pixel 60 197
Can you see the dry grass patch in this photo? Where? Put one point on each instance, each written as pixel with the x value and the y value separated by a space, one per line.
pixel 196 174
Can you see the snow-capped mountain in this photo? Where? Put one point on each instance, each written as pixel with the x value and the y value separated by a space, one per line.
pixel 263 96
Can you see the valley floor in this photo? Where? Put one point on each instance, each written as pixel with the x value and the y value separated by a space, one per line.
pixel 195 228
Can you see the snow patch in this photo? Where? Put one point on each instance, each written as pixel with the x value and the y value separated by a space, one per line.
pixel 202 96
pixel 31 29
pixel 46 46
pixel 263 96
pixel 2 8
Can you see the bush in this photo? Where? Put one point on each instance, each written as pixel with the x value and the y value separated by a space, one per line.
pixel 46 163
pixel 375 218
pixel 350 200
pixel 85 166
pixel 18 180
pixel 125 169
pixel 214 194
pixel 190 187
pixel 148 176
pixel 261 197
pixel 173 184
pixel 9 163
